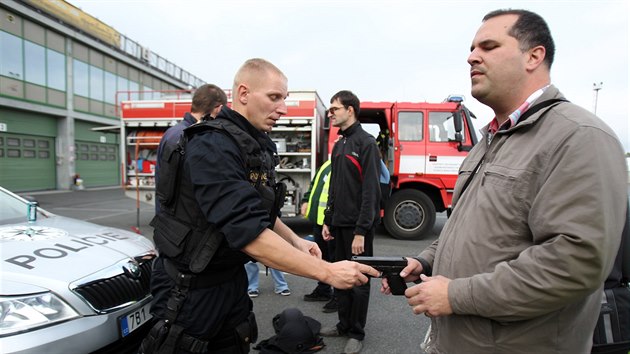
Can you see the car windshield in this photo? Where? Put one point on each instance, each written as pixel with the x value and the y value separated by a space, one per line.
pixel 12 208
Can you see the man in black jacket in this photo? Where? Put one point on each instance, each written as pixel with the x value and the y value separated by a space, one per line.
pixel 353 210
pixel 206 104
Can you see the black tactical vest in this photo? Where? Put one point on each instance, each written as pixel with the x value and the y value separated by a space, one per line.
pixel 181 231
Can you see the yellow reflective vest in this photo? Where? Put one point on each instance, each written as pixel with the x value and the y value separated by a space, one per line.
pixel 318 194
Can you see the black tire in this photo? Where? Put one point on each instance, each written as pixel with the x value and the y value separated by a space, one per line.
pixel 409 215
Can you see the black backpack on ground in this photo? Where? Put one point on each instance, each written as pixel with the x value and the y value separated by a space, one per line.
pixel 295 333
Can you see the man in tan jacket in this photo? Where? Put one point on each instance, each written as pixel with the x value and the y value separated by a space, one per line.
pixel 539 208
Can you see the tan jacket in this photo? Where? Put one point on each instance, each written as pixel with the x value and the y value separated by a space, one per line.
pixel 533 237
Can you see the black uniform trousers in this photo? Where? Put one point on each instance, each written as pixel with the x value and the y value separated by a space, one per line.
pixel 352 303
pixel 210 313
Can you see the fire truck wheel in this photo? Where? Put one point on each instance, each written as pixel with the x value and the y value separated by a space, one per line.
pixel 409 215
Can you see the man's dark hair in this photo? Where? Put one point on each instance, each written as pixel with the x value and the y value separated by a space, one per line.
pixel 530 30
pixel 348 99
pixel 207 97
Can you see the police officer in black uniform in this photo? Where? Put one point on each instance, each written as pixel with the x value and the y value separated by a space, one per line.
pixel 206 104
pixel 220 213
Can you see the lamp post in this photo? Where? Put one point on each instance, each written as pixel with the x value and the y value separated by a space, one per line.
pixel 596 88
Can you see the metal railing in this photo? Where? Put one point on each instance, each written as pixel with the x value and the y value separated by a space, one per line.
pixel 143 54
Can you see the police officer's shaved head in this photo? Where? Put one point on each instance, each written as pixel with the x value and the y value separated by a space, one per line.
pixel 253 71
pixel 259 91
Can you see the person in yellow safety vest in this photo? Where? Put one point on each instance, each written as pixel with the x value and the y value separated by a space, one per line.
pixel 313 206
pixel 317 195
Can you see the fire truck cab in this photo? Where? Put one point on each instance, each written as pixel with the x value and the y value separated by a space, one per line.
pixel 422 144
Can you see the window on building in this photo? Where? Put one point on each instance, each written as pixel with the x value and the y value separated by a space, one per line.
pixel 147 95
pixel 29 143
pixel 96 83
pixel 56 64
pixel 81 78
pixel 134 87
pixel 110 88
pixel 11 56
pixel 42 144
pixel 34 56
pixel 29 154
pixel 123 85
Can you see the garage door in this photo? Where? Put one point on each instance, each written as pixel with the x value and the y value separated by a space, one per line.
pixel 27 162
pixel 97 163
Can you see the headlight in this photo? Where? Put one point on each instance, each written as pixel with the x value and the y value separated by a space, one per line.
pixel 21 313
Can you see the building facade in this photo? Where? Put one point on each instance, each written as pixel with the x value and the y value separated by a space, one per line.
pixel 62 75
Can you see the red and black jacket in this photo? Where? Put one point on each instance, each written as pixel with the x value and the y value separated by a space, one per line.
pixel 355 193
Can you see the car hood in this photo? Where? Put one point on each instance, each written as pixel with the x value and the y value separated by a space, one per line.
pixel 59 250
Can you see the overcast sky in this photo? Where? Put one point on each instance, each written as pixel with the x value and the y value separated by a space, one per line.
pixel 383 50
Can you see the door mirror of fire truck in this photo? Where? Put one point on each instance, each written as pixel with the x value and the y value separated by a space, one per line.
pixel 459 126
pixel 457 121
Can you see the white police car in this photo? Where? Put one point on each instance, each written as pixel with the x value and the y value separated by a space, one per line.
pixel 69 286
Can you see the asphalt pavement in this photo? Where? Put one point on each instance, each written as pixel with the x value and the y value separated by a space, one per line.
pixel 391 326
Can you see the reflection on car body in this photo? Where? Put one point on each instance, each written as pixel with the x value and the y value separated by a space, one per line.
pixel 70 286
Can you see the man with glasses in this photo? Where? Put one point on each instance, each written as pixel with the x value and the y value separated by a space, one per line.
pixel 352 211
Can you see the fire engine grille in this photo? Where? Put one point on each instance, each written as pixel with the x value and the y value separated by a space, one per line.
pixel 119 287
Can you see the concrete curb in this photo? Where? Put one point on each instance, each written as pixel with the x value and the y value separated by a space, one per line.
pixel 59 191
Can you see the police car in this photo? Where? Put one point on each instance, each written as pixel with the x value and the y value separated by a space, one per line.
pixel 69 286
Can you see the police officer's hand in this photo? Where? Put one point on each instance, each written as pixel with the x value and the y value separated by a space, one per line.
pixel 309 247
pixel 347 274
pixel 410 273
pixel 296 241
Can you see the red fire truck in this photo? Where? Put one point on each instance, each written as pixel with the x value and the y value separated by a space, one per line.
pixel 299 136
pixel 423 145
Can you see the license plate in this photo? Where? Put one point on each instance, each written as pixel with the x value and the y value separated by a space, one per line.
pixel 135 319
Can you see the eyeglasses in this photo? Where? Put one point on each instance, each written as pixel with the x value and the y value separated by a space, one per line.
pixel 332 110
